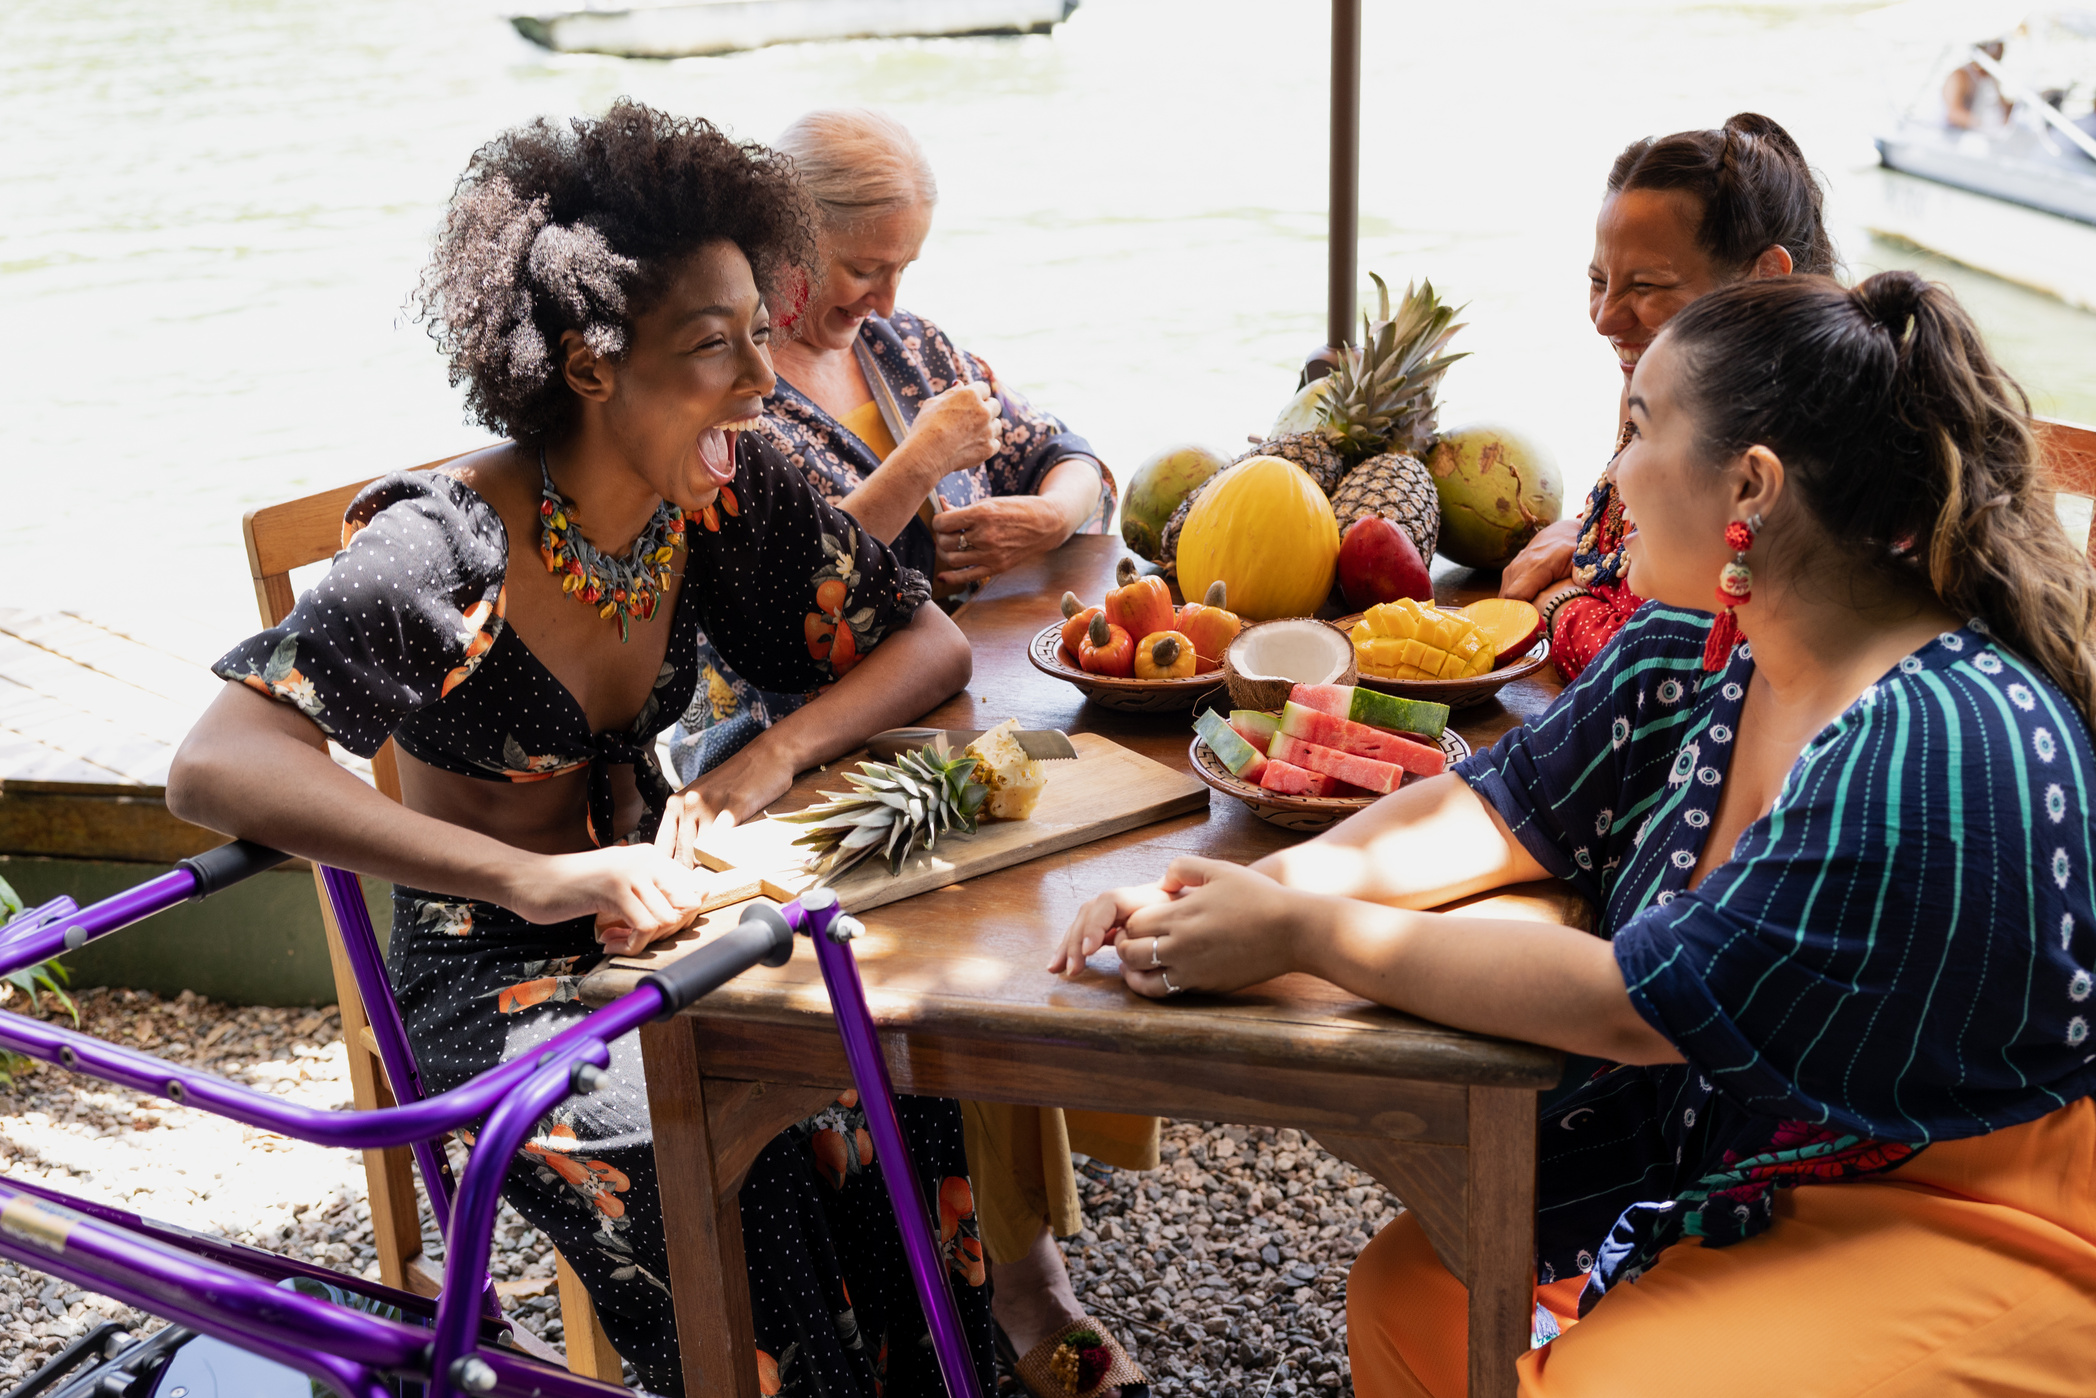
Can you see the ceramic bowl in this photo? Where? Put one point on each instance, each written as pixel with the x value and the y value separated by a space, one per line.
pixel 1457 694
pixel 1051 657
pixel 1296 812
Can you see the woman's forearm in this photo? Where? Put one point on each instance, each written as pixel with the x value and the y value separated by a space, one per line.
pixel 1532 981
pixel 256 769
pixel 1423 845
pixel 912 671
pixel 1073 484
pixel 887 500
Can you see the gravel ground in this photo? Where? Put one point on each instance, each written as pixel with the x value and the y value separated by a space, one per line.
pixel 1223 1272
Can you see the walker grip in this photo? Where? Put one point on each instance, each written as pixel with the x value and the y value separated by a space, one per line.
pixel 763 936
pixel 227 865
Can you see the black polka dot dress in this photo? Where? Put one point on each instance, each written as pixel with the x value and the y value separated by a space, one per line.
pixel 406 638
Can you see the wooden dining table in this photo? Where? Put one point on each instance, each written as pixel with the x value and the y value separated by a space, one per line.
pixel 1446 1120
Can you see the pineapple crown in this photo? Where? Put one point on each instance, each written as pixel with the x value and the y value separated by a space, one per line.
pixel 1382 396
pixel 891 809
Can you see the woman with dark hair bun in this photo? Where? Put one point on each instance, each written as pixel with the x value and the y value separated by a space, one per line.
pixel 1684 215
pixel 523 623
pixel 1842 845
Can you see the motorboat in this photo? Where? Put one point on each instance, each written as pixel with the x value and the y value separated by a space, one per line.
pixel 2014 195
pixel 2041 160
pixel 694 28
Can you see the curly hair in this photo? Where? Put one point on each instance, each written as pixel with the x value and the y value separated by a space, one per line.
pixel 578 226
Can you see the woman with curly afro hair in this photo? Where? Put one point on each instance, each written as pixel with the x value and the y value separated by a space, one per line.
pixel 523 622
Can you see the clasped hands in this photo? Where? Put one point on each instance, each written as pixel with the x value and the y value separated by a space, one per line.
pixel 1206 925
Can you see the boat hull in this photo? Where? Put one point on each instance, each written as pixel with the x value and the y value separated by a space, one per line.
pixel 2041 251
pixel 729 26
pixel 2051 184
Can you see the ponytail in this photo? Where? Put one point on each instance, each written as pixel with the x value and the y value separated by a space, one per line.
pixel 1753 185
pixel 1908 443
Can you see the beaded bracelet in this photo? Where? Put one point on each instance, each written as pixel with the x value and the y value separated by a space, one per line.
pixel 1555 605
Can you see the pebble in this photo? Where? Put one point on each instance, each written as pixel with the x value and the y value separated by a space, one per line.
pixel 1223 1271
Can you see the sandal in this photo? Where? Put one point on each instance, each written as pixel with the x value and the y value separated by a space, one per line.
pixel 1076 1361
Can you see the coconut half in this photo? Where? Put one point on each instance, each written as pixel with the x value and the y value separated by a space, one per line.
pixel 1269 660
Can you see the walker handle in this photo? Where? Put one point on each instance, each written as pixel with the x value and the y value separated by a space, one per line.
pixel 762 937
pixel 221 868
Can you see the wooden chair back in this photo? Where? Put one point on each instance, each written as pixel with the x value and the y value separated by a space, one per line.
pixel 2070 458
pixel 281 538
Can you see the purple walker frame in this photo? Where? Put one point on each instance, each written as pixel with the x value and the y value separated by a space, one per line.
pixel 231 1291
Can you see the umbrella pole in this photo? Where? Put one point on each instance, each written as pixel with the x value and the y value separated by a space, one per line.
pixel 1346 171
pixel 1344 203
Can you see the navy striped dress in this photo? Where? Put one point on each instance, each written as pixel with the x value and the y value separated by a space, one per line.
pixel 1899 952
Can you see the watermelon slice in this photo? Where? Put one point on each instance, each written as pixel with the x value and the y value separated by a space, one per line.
pixel 1362 741
pixel 1242 758
pixel 1255 726
pixel 1380 777
pixel 1360 704
pixel 1286 779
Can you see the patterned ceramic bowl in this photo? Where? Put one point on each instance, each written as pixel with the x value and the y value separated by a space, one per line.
pixel 1457 694
pixel 1050 657
pixel 1296 812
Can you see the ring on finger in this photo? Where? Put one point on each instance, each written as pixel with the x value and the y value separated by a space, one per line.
pixel 1169 988
pixel 1155 962
pixel 964 542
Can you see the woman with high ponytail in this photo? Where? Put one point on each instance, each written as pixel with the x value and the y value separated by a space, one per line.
pixel 1842 846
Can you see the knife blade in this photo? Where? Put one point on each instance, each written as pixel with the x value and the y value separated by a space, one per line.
pixel 1041 744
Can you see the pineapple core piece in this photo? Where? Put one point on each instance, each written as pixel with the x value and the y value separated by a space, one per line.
pixel 1015 780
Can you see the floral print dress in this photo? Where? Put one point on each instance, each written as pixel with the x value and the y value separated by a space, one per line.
pixel 406 638
pixel 907 360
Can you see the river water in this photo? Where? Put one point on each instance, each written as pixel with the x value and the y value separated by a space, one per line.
pixel 211 213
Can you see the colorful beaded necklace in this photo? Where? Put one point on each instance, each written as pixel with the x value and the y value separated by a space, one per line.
pixel 1600 556
pixel 617 587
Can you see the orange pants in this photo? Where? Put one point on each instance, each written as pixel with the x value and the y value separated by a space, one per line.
pixel 1969 1270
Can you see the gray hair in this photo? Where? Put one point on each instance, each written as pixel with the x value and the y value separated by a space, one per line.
pixel 857 164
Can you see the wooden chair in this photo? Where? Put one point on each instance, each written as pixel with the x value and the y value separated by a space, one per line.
pixel 2070 456
pixel 279 539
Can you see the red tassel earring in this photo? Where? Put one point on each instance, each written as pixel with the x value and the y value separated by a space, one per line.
pixel 1735 589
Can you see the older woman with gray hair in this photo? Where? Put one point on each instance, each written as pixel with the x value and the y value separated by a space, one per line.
pixel 912 436
pixel 963 479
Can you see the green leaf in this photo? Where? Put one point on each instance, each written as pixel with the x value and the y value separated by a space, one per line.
pixel 282 661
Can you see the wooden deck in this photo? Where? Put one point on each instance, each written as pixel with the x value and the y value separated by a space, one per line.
pixel 90 717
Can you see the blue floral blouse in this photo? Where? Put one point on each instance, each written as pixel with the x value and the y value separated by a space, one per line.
pixel 916 361
pixel 1899 952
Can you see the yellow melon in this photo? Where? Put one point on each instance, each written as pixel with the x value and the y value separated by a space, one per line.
pixel 1265 531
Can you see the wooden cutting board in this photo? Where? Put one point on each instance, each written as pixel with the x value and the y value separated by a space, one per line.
pixel 1106 790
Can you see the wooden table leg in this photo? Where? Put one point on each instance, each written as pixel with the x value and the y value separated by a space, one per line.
pixel 707 1134
pixel 701 1222
pixel 1501 1235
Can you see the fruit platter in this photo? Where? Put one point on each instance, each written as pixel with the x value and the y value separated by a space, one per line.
pixel 1329 751
pixel 1137 651
pixel 1454 656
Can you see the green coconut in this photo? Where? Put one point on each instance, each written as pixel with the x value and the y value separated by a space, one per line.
pixel 1497 489
pixel 1156 489
pixel 1305 411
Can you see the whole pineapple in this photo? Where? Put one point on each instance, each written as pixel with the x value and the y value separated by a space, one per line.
pixel 1381 401
pixel 1398 488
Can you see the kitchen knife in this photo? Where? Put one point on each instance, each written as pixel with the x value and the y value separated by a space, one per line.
pixel 1041 744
